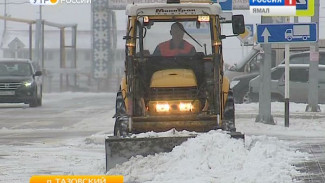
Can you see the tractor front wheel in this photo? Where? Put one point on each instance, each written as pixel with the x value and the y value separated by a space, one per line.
pixel 121 118
pixel 228 122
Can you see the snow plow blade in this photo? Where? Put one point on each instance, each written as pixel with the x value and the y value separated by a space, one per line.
pixel 237 135
pixel 119 150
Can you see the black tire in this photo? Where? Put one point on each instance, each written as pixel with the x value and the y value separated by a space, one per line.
pixel 246 99
pixel 228 122
pixel 289 38
pixel 116 128
pixel 34 101
pixel 240 97
pixel 276 98
pixel 122 120
pixel 39 99
pixel 253 97
pixel 121 127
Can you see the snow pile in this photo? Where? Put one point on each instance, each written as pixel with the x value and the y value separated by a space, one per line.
pixel 215 157
pixel 168 133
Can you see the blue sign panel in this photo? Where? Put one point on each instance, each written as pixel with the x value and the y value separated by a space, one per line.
pixel 301 4
pixel 286 33
pixel 225 4
pixel 266 3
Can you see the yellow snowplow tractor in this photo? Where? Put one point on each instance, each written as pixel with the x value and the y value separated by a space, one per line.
pixel 173 77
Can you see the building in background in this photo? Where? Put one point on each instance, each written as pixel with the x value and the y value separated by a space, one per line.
pixel 60 14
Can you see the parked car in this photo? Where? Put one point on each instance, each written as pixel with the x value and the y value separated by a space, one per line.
pixel 20 82
pixel 299 76
pixel 248 68
pixel 249 64
pixel 240 74
pixel 240 87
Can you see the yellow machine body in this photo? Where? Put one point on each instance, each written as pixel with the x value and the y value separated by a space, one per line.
pixel 160 93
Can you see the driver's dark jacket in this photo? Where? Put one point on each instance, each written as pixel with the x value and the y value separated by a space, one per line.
pixel 167 49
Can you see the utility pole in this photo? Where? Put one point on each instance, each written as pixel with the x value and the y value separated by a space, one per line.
pixel 264 115
pixel 5 15
pixel 313 67
pixel 39 39
pixel 4 26
pixel 40 12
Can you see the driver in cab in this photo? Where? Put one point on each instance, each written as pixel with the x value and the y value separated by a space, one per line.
pixel 176 46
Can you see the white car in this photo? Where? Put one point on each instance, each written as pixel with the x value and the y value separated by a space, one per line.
pixel 299 77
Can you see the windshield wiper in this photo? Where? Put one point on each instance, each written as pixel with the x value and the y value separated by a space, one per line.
pixel 189 35
pixel 127 37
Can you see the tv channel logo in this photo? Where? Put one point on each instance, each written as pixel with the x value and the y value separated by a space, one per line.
pixel 43 2
pixel 302 4
pixel 282 7
pixel 54 2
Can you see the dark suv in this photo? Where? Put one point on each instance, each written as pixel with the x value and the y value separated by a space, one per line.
pixel 20 82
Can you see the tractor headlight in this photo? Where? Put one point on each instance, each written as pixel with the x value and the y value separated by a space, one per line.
pixel 234 83
pixel 185 107
pixel 28 83
pixel 162 107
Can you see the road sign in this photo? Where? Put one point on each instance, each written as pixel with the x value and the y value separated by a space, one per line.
pixel 247 37
pixel 305 7
pixel 244 36
pixel 240 4
pixel 16 44
pixel 282 7
pixel 301 4
pixel 247 34
pixel 225 4
pixel 250 28
pixel 286 33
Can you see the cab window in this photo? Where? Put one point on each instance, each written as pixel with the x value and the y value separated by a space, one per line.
pixel 277 73
pixel 299 75
pixel 300 59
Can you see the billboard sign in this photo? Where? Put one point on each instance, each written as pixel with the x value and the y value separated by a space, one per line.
pixel 282 7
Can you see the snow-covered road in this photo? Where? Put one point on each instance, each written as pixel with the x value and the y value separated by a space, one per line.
pixel 66 136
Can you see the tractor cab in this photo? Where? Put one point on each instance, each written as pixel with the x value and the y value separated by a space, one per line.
pixel 163 67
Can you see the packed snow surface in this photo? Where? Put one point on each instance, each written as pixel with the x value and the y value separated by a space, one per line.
pixel 268 155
